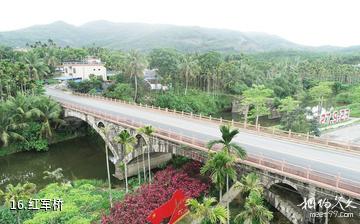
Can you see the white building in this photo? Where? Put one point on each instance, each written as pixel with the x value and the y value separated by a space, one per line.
pixel 84 69
pixel 152 80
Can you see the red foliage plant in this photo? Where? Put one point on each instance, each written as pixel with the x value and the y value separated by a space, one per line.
pixel 136 207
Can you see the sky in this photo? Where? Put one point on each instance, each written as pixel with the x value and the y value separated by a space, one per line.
pixel 307 22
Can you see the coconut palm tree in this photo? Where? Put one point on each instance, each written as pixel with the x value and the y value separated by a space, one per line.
pixel 9 127
pixel 148 131
pixel 227 135
pixel 206 211
pixel 48 112
pixel 219 166
pixel 36 67
pixel 250 182
pixel 127 142
pixel 188 68
pixel 136 63
pixel 13 194
pixel 254 211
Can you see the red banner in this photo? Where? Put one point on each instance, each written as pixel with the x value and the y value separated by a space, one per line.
pixel 175 208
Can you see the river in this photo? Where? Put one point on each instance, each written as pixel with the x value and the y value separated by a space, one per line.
pixel 80 158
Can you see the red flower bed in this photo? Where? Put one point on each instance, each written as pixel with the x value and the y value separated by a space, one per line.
pixel 136 207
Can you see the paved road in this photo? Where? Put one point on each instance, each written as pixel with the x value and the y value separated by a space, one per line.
pixel 346 134
pixel 316 157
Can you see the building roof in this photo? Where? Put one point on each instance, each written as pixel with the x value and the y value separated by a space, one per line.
pixel 66 78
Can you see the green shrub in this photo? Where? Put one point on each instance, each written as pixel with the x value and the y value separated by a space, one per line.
pixel 195 101
pixel 120 91
pixel 83 202
pixel 344 98
pixel 9 217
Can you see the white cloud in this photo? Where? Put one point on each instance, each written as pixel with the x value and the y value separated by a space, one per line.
pixel 310 22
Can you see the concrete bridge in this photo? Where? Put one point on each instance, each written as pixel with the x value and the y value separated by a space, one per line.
pixel 304 170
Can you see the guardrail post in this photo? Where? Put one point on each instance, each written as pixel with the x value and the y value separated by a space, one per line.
pixel 273 130
pixel 140 104
pixel 290 133
pixel 308 173
pixel 191 114
pixel 200 116
pixel 232 122
pixel 166 109
pixel 174 111
pixel 152 106
pixel 220 119
pixel 307 136
pixel 182 113
pixel 258 128
pixel 159 108
pixel 210 117
pixel 337 180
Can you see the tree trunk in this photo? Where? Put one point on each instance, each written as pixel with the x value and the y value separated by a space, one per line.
pixel 220 193
pixel 227 203
pixel 149 148
pixel 108 173
pixel 143 158
pixel 1 93
pixel 186 81
pixel 136 85
pixel 257 121
pixel 138 168
pixel 18 217
pixel 246 116
pixel 126 180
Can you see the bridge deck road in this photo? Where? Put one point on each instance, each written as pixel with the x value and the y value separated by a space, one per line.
pixel 318 158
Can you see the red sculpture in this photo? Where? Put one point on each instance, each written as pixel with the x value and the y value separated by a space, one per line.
pixel 174 208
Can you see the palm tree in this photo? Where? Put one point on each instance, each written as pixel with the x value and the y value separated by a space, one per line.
pixel 228 146
pixel 135 66
pixel 250 182
pixel 219 166
pixel 254 211
pixel 188 68
pixel 36 67
pixel 127 142
pixel 9 127
pixel 48 111
pixel 206 211
pixel 148 131
pixel 13 194
pixel 104 131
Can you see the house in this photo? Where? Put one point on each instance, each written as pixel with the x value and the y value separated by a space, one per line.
pixel 84 69
pixel 152 80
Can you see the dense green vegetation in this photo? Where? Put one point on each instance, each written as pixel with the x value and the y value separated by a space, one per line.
pixel 84 201
pixel 203 83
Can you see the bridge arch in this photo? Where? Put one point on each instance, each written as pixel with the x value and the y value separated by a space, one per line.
pixel 105 130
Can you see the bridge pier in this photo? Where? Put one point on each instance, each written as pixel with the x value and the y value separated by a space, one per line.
pixel 156 159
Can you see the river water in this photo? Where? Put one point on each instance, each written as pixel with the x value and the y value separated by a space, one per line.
pixel 80 158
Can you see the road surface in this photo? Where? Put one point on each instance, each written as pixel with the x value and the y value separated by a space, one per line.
pixel 345 134
pixel 316 157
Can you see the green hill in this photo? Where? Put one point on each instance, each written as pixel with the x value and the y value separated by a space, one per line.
pixel 146 37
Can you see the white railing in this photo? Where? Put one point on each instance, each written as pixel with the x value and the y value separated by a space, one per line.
pixel 273 132
pixel 303 174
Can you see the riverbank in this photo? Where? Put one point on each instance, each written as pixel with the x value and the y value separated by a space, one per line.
pixel 58 137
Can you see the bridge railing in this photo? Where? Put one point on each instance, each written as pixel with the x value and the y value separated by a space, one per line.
pixel 271 131
pixel 306 174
